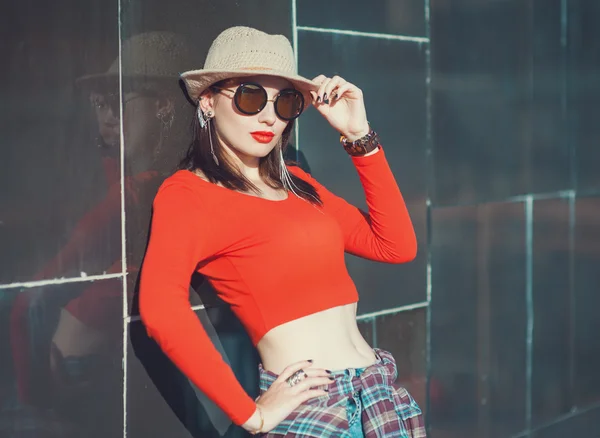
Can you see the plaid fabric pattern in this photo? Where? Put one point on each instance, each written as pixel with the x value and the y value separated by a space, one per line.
pixel 388 410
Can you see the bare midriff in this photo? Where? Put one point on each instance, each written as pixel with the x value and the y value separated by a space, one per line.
pixel 330 338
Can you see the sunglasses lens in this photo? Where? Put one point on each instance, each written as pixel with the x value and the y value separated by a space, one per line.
pixel 250 98
pixel 290 104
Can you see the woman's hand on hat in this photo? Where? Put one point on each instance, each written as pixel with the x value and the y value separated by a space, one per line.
pixel 342 104
pixel 281 399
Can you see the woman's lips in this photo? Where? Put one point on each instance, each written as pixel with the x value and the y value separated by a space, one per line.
pixel 262 136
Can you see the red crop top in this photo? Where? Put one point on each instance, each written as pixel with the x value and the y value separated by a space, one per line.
pixel 271 261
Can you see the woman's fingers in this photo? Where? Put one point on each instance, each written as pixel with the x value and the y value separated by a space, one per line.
pixel 330 89
pixel 311 382
pixel 321 90
pixel 334 83
pixel 317 372
pixel 291 369
pixel 319 79
pixel 341 90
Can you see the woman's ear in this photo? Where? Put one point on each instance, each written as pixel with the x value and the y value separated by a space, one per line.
pixel 164 106
pixel 206 101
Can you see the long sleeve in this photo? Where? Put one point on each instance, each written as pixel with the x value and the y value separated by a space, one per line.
pixel 181 237
pixel 385 233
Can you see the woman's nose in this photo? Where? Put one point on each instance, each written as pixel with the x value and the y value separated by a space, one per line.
pixel 268 115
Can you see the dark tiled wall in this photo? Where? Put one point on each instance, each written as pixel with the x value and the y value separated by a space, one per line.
pixel 487 112
pixel 512 237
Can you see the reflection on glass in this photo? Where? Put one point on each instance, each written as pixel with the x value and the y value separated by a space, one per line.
pixel 61 360
pixel 53 217
pixel 478 331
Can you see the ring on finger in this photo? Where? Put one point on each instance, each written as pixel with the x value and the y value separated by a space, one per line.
pixel 295 378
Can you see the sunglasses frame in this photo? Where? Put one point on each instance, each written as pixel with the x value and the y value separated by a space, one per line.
pixel 237 93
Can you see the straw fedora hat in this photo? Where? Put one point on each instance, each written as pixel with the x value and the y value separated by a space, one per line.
pixel 243 51
pixel 146 56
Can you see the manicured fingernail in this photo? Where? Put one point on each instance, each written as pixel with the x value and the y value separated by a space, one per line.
pixel 329 371
pixel 326 389
pixel 325 99
pixel 310 360
pixel 332 378
pixel 318 98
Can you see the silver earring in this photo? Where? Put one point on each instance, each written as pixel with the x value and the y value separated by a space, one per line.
pixel 166 119
pixel 201 118
pixel 209 116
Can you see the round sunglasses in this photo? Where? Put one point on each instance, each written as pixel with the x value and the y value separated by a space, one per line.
pixel 251 98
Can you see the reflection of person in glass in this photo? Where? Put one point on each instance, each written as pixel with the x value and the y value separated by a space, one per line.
pixel 87 331
pixel 271 241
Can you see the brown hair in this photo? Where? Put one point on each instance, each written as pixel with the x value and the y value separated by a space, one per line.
pixel 199 157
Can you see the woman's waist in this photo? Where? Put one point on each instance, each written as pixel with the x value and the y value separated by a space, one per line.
pixel 350 380
pixel 330 339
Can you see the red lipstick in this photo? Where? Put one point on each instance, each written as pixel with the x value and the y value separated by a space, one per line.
pixel 262 136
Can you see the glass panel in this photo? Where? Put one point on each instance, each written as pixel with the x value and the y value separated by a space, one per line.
pixel 60 202
pixel 398 114
pixel 552 295
pixel 404 335
pixel 60 360
pixel 587 301
pixel 366 328
pixel 582 424
pixel 584 89
pixel 406 17
pixel 161 401
pixel 479 320
pixel 498 100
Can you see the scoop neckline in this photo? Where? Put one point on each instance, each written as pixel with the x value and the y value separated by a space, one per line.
pixel 235 192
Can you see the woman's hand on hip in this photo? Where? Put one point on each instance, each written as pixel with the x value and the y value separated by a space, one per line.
pixel 281 399
pixel 342 105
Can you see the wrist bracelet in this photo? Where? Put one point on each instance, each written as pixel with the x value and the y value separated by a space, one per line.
pixel 362 146
pixel 262 422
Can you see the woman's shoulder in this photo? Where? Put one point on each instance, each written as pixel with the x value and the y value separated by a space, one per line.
pixel 296 170
pixel 184 184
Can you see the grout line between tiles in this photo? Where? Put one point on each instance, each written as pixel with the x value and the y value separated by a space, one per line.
pixel 30 284
pixel 384 36
pixel 367 316
pixel 530 309
pixel 135 318
pixel 572 414
pixel 560 194
pixel 125 310
pixel 429 151
pixel 572 299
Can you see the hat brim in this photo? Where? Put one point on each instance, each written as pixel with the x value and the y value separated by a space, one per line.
pixel 197 81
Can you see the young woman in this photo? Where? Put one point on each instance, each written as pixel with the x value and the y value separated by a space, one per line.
pixel 271 241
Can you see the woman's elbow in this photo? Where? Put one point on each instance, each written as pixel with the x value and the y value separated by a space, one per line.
pixel 404 252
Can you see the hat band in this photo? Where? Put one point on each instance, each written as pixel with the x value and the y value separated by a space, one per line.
pixel 258 68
